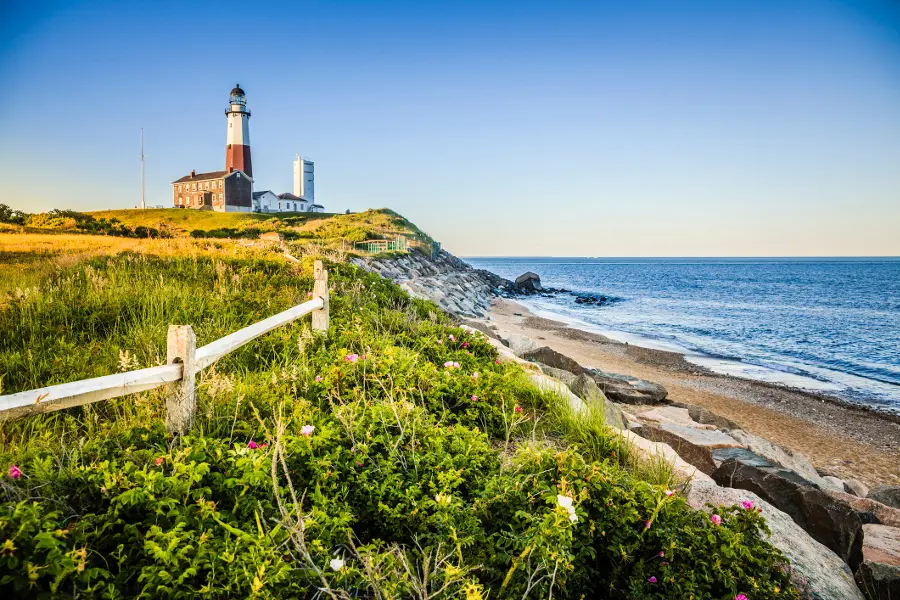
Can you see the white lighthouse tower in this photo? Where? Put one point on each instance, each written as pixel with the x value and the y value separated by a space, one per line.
pixel 237 150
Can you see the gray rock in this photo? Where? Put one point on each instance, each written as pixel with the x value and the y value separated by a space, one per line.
pixel 707 417
pixel 521 344
pixel 827 519
pixel 880 581
pixel 868 510
pixel 832 483
pixel 564 376
pixel 881 544
pixel 628 390
pixel 815 571
pixel 692 444
pixel 529 282
pixel 585 388
pixel 779 455
pixel 856 487
pixel 886 494
pixel 550 357
pixel 741 455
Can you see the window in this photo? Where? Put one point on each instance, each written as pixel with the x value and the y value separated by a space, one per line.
pixel 194 187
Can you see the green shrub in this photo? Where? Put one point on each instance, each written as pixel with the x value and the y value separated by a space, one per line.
pixel 426 456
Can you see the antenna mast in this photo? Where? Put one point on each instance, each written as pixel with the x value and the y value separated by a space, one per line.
pixel 143 205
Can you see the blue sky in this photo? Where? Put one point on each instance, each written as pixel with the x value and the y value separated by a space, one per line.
pixel 548 128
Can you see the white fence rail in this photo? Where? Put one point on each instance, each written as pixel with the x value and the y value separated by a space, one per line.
pixel 184 360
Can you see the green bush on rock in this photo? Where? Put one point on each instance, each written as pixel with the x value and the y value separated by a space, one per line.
pixel 396 458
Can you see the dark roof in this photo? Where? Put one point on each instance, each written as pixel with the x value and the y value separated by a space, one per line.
pixel 290 196
pixel 202 176
pixel 237 91
pixel 258 194
pixel 318 206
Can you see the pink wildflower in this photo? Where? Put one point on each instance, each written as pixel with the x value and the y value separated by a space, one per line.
pixel 318 379
pixel 159 461
pixel 741 597
pixel 351 358
pixel 475 375
pixel 496 361
pixel 465 344
pixel 440 341
pixel 716 520
pixel 647 525
pixel 448 364
pixel 747 504
pixel 518 409
pixel 651 579
pixel 662 554
pixel 474 398
pixel 309 294
pixel 15 472
pixel 452 339
pixel 664 563
pixel 307 430
pixel 455 365
pixel 670 493
pixel 264 445
pixel 252 445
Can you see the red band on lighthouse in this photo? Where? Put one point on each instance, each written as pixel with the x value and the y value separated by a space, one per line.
pixel 238 157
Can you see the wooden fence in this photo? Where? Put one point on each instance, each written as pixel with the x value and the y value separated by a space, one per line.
pixel 184 361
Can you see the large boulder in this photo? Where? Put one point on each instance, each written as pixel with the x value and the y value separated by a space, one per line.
pixel 550 357
pixel 779 455
pixel 815 571
pixel 564 376
pixel 692 444
pixel 879 574
pixel 521 344
pixel 708 417
pixel 886 494
pixel 671 414
pixel 618 388
pixel 881 581
pixel 856 487
pixel 628 390
pixel 881 544
pixel 869 511
pixel 529 282
pixel 585 388
pixel 827 519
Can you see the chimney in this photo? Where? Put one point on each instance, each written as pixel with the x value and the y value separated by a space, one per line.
pixel 193 172
pixel 231 169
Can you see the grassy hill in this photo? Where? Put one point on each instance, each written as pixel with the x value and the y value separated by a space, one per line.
pixel 395 458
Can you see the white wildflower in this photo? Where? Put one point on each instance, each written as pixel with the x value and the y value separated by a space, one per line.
pixel 566 503
pixel 337 564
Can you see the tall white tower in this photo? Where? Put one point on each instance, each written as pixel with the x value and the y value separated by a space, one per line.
pixel 305 179
pixel 237 149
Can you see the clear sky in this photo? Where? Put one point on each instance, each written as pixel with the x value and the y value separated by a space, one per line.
pixel 632 128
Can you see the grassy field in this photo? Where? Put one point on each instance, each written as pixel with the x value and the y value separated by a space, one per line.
pixel 186 220
pixel 395 457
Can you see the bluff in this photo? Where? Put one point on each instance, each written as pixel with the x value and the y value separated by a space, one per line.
pixel 451 283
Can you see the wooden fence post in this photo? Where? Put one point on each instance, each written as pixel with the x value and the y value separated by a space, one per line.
pixel 320 290
pixel 181 346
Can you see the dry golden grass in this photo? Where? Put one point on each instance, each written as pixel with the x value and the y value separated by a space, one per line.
pixel 27 258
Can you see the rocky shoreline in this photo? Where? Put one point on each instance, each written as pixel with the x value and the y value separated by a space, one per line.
pixel 837 532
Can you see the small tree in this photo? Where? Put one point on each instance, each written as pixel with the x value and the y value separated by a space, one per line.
pixel 10 215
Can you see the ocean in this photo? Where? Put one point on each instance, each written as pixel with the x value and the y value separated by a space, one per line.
pixel 826 325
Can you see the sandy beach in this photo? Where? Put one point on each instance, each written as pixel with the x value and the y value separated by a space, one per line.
pixel 846 441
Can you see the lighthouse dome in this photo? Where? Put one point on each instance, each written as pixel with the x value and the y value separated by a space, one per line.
pixel 237 91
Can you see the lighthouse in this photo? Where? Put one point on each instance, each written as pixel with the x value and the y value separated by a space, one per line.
pixel 237 150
